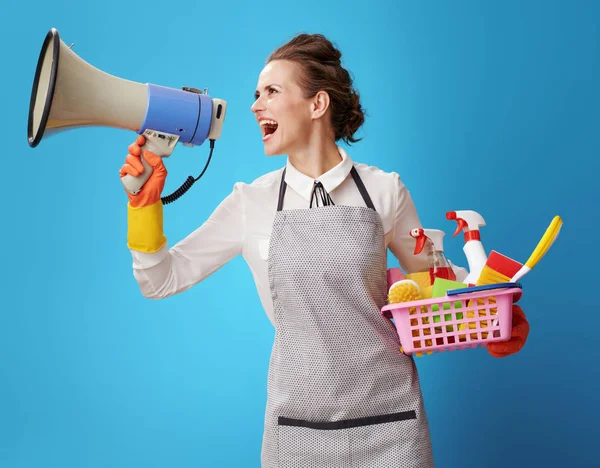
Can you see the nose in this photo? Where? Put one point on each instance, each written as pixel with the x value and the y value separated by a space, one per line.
pixel 257 105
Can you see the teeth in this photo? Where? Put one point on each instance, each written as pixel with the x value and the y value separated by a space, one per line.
pixel 267 122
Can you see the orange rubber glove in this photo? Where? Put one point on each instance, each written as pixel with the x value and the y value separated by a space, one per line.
pixel 520 330
pixel 144 210
pixel 153 187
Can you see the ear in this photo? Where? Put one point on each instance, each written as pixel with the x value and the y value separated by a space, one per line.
pixel 320 104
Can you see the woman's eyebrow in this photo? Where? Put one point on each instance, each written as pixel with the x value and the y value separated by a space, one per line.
pixel 257 92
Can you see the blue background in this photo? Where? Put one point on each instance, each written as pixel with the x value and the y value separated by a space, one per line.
pixel 478 105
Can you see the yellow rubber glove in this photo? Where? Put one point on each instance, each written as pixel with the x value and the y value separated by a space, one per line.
pixel 144 210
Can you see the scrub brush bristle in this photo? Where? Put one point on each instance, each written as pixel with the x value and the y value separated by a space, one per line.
pixel 404 291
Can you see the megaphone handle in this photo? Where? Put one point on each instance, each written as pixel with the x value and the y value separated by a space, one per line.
pixel 159 143
pixel 134 184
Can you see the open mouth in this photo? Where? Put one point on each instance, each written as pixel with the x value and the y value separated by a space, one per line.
pixel 268 127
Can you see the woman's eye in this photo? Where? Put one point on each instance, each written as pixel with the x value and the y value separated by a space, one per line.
pixel 272 90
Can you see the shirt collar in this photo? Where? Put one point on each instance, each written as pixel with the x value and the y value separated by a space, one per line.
pixel 303 184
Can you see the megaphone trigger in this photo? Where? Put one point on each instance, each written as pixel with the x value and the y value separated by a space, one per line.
pixel 160 143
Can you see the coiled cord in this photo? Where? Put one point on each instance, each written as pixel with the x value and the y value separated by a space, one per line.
pixel 188 182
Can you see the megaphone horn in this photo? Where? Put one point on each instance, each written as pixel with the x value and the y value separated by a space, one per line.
pixel 70 93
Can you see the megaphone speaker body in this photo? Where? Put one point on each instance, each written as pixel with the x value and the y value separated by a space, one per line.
pixel 70 93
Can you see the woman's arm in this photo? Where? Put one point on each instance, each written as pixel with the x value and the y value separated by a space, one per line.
pixel 402 245
pixel 167 271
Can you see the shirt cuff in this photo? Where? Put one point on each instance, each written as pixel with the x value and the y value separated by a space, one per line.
pixel 144 260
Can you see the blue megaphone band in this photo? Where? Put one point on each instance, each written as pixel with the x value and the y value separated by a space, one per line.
pixel 184 113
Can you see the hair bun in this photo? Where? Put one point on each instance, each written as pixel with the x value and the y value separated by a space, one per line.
pixel 321 63
pixel 355 117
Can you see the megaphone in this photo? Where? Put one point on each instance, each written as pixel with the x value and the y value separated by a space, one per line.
pixel 70 93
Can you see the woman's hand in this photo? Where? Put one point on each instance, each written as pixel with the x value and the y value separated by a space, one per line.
pixel 520 330
pixel 152 189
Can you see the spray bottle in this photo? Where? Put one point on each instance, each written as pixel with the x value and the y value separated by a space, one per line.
pixel 439 267
pixel 470 222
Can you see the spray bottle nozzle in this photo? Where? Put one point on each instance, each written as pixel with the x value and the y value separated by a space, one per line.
pixel 451 215
pixel 439 267
pixel 419 235
pixel 468 220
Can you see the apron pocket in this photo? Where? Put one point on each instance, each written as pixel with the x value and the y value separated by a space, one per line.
pixel 300 446
pixel 402 443
pixel 328 444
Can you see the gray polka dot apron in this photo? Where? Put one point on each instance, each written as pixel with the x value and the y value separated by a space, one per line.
pixel 340 393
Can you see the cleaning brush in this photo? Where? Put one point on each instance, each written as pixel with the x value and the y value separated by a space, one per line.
pixel 404 291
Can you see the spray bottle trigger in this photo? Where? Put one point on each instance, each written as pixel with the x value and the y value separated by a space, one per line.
pixel 420 244
pixel 419 235
pixel 461 225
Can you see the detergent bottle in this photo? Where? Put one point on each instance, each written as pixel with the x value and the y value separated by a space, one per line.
pixel 470 222
pixel 439 267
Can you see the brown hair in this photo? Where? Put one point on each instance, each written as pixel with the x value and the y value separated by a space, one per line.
pixel 320 62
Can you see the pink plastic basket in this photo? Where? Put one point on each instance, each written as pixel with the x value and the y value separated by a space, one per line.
pixel 452 323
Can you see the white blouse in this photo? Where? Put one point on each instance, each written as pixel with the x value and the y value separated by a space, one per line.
pixel 242 224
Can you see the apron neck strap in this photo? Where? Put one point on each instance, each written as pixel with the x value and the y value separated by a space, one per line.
pixel 282 187
pixel 357 180
pixel 361 188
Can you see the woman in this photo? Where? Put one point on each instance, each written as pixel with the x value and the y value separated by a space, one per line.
pixel 314 234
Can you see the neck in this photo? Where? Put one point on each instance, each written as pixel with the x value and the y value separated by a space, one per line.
pixel 317 157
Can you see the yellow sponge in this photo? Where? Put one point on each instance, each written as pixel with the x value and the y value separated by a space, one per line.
pixel 422 278
pixel 427 292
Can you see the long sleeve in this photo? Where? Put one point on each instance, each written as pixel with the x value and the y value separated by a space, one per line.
pixel 402 245
pixel 218 240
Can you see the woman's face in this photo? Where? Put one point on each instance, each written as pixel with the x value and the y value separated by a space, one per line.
pixel 282 112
